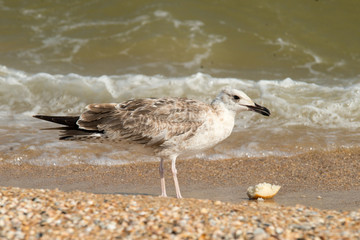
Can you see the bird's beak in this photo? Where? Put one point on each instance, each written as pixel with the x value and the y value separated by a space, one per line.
pixel 259 109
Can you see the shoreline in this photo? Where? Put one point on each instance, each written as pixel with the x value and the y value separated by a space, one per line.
pixel 322 179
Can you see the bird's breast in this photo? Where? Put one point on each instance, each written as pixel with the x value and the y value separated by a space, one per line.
pixel 214 130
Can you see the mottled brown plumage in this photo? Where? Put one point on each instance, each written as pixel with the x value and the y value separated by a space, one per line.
pixel 170 126
pixel 146 121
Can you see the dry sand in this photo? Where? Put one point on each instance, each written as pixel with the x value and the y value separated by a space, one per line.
pixel 328 180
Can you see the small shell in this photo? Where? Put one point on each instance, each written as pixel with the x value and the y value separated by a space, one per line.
pixel 262 190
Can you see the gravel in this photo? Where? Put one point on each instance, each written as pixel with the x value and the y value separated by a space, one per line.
pixel 53 214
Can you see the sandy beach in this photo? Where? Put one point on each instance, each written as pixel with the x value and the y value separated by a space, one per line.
pixel 96 201
pixel 298 60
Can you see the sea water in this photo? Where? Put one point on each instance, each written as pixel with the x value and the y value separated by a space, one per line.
pixel 299 59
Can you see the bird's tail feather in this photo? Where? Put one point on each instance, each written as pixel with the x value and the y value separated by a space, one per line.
pixel 69 121
pixel 72 130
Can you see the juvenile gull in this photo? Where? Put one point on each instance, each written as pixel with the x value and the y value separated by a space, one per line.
pixel 169 126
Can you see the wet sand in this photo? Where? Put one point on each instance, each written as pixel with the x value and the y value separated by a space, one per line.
pixel 326 180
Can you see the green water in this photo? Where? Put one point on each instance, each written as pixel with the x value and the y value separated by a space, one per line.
pixel 311 40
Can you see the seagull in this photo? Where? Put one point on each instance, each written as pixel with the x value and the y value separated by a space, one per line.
pixel 168 126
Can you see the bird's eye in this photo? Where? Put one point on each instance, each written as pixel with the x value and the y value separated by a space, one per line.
pixel 236 97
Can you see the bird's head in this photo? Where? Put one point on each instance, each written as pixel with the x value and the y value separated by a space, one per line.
pixel 237 101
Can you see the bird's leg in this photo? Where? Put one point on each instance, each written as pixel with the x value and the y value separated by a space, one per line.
pixel 174 172
pixel 162 179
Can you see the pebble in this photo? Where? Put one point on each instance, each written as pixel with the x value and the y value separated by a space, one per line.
pixel 52 214
pixel 259 234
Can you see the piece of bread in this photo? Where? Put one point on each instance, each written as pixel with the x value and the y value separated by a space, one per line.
pixel 262 190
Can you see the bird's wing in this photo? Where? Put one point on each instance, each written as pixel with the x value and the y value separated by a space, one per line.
pixel 147 121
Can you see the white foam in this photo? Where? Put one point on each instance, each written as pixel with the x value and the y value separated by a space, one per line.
pixel 161 13
pixel 301 103
pixel 292 102
pixel 307 115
